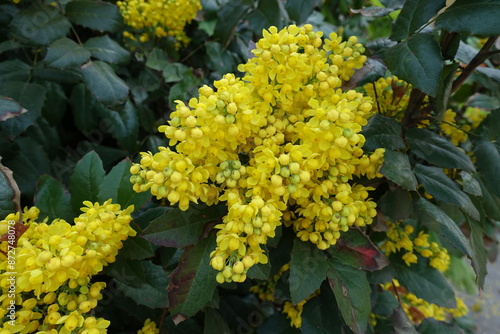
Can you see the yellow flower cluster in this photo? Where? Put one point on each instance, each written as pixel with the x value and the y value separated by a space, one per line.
pixel 151 19
pixel 266 289
pixel 399 238
pixel 418 309
pixel 149 328
pixel 475 116
pixel 53 267
pixel 283 142
pixel 455 131
pixel 294 312
pixel 390 95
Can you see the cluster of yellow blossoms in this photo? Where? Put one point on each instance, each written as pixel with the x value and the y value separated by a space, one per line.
pixel 149 328
pixel 281 144
pixel 391 97
pixel 266 290
pixel 418 309
pixel 48 288
pixel 151 19
pixel 399 238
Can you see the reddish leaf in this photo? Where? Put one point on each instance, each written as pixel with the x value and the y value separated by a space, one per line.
pixel 192 283
pixel 355 249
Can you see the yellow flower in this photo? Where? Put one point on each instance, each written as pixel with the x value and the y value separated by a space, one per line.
pixel 149 19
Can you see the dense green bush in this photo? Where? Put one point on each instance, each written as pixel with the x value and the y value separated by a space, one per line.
pixel 329 184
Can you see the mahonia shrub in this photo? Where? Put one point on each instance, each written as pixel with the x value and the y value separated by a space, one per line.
pixel 280 145
pixel 336 179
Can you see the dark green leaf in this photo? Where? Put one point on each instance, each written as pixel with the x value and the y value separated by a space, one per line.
pixel 489 202
pixel 437 150
pixel 299 10
pixel 260 271
pixel 307 270
pixel 177 228
pixel 433 326
pixel 151 291
pixel 488 161
pixel 444 189
pixel 116 185
pixel 14 70
pixel 31 96
pixel 86 180
pixel 477 17
pixel 56 103
pixel 123 125
pixel 397 168
pixel 228 17
pixel 96 15
pixel 321 315
pixel 218 59
pixel 29 164
pixel 426 282
pixel 192 283
pixel 66 53
pixel 215 323
pixel 53 199
pixel 417 60
pixel 157 59
pixel 266 14
pixel 444 88
pixel 383 132
pixel 413 15
pixel 136 248
pixel 490 127
pixel 9 45
pixel 63 76
pixel 39 25
pixel 10 196
pixel 103 83
pixel 448 228
pixel 174 72
pixel 480 254
pixel 470 184
pixel 355 249
pixel 396 204
pixel 85 111
pixel 385 303
pixel 10 108
pixel 106 49
pixel 277 324
pixel 352 292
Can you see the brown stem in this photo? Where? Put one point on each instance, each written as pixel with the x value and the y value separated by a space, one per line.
pixel 478 59
pixel 163 315
pixel 414 105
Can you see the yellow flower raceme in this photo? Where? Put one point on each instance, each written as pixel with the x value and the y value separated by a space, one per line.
pixel 54 264
pixel 399 238
pixel 149 19
pixel 284 139
pixel 418 309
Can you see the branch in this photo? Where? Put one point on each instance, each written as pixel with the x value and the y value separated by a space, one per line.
pixel 478 59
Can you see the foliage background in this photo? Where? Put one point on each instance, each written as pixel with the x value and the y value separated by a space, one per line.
pixel 79 102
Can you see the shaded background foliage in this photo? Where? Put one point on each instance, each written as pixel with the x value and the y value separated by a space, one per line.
pixel 79 102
